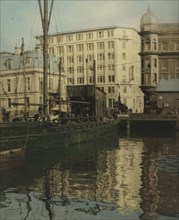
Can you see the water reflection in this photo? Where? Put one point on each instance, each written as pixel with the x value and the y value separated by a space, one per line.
pixel 135 178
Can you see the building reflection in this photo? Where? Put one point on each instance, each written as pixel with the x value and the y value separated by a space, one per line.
pixel 135 174
pixel 160 178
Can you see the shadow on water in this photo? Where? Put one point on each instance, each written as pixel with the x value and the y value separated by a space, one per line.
pixel 75 158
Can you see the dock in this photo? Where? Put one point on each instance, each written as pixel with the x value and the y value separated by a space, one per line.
pixel 149 121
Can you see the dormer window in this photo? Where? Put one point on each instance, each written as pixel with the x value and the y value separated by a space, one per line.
pixel 28 61
pixel 9 64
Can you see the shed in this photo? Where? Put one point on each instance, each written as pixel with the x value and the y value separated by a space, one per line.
pixel 168 95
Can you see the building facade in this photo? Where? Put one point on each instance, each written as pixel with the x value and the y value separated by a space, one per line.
pixel 116 53
pixel 22 76
pixel 159 55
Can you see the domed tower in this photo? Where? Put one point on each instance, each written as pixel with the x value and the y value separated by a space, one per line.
pixel 149 32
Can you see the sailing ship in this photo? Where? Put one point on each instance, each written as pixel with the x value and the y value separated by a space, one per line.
pixel 22 137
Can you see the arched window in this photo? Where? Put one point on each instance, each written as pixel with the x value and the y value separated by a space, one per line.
pixel 147 44
pixel 154 44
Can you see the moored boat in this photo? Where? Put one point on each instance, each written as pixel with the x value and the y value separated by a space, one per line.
pixel 42 134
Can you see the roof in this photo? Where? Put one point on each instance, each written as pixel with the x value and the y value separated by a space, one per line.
pixel 170 85
pixel 88 30
pixel 149 18
pixel 36 61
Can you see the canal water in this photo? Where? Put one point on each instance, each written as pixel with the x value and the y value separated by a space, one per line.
pixel 133 177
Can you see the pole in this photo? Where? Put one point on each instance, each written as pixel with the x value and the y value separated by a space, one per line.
pixel 95 91
pixel 45 25
pixel 45 58
pixel 24 76
pixel 60 70
pixel 87 71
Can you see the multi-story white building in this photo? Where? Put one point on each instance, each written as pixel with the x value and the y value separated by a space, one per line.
pixel 116 52
pixel 16 69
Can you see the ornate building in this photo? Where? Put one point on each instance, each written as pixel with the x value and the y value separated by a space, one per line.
pixel 21 80
pixel 159 55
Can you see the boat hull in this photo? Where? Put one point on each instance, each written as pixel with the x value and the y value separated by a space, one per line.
pixel 36 137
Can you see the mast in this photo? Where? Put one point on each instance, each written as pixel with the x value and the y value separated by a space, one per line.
pixel 60 71
pixel 24 76
pixel 45 18
pixel 95 91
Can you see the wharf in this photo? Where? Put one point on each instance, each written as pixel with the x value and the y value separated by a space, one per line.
pixel 149 121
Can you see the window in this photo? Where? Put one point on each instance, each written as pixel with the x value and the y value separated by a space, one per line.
pixel 60 39
pixel 70 70
pixel 79 47
pixel 9 64
pixel 147 64
pixel 155 63
pixel 50 40
pixel 28 83
pixel 8 85
pixel 89 36
pixel 100 56
pixel 79 36
pixel 111 102
pixel 111 78
pixel 100 68
pixel 70 81
pixel 28 61
pixel 142 45
pixel 90 46
pixel 91 79
pixel 80 80
pixel 100 34
pixel 70 59
pixel 111 89
pixel 69 48
pixel 9 102
pixel 110 33
pixel 90 57
pixel 60 50
pixel 100 45
pixel 101 79
pixel 69 38
pixel 51 50
pixel 111 67
pixel 110 44
pixel 80 59
pixel 40 84
pixel 123 56
pixel 51 84
pixel 147 44
pixel 110 56
pixel 80 69
pixel 154 45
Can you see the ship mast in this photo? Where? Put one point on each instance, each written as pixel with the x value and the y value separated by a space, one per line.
pixel 45 18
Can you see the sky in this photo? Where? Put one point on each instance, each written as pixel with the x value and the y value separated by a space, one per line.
pixel 21 18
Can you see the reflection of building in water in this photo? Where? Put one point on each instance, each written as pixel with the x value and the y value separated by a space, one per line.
pixel 114 177
pixel 160 178
pixel 118 179
pixel 149 190
pixel 168 182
